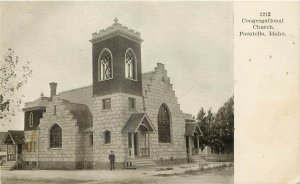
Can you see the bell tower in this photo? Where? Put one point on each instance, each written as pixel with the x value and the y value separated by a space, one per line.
pixel 117 90
pixel 116 60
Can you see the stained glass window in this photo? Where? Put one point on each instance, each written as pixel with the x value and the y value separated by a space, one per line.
pixel 164 133
pixel 105 65
pixel 55 137
pixel 130 64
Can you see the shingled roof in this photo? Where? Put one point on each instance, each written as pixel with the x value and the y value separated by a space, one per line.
pixel 39 103
pixel 191 128
pixel 81 113
pixel 2 137
pixel 135 121
pixel 16 136
pixel 83 95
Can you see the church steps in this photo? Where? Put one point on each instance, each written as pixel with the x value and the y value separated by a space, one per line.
pixel 9 165
pixel 140 163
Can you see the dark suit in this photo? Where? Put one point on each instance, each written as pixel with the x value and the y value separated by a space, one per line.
pixel 112 161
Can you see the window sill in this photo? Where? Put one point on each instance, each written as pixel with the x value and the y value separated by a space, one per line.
pixel 107 144
pixel 106 110
pixel 99 80
pixel 54 148
pixel 166 143
pixel 131 79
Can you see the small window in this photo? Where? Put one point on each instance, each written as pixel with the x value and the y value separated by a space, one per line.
pixel 106 103
pixel 131 103
pixel 31 119
pixel 33 146
pixel 107 137
pixel 91 139
pixel 54 110
pixel 33 164
pixel 27 163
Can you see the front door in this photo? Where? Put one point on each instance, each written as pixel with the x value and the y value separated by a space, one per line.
pixel 11 152
pixel 146 147
pixel 20 149
pixel 135 144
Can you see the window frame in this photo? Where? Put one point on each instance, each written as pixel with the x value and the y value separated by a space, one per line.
pixel 135 78
pixel 133 100
pixel 60 141
pixel 31 119
pixel 161 128
pixel 104 107
pixel 107 137
pixel 99 65
pixel 54 110
pixel 91 139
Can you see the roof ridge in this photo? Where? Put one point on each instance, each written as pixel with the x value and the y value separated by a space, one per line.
pixel 76 89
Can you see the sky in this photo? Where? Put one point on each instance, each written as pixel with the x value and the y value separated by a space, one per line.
pixel 193 39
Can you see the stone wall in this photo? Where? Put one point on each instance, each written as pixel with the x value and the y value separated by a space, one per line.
pixel 88 155
pixel 158 90
pixel 71 154
pixel 112 120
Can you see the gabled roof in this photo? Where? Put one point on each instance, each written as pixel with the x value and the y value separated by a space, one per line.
pixel 2 137
pixel 16 136
pixel 191 128
pixel 39 103
pixel 82 95
pixel 81 113
pixel 137 121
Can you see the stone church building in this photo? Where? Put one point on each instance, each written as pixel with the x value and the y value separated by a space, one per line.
pixel 134 114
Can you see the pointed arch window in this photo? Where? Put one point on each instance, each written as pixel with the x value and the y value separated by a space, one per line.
pixel 56 137
pixel 130 64
pixel 105 65
pixel 164 132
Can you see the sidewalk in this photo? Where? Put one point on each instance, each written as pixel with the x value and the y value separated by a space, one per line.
pixel 103 175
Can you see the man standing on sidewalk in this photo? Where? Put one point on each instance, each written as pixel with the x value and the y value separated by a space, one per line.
pixel 112 160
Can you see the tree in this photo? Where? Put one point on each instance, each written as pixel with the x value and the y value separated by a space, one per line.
pixel 218 129
pixel 13 76
pixel 225 123
pixel 201 116
pixel 204 123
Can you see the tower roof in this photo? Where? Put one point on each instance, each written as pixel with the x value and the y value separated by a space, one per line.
pixel 116 29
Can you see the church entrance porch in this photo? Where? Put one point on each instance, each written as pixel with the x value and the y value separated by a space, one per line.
pixel 139 129
pixel 14 141
pixel 192 145
pixel 192 136
pixel 139 145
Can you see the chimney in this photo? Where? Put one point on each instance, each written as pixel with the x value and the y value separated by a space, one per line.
pixel 53 86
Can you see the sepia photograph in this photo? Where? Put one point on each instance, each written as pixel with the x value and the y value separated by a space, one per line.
pixel 116 92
